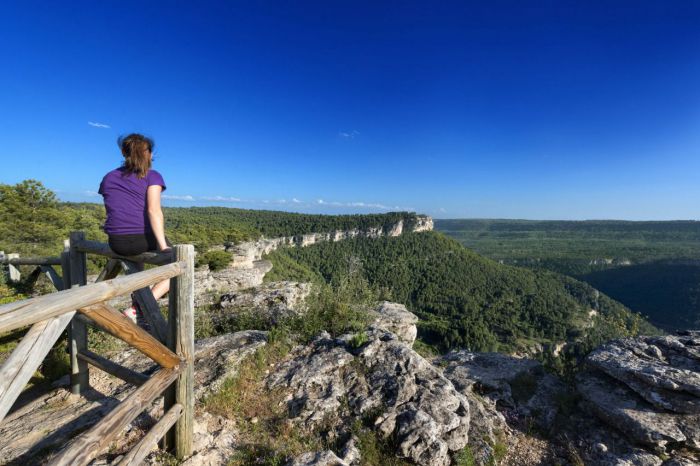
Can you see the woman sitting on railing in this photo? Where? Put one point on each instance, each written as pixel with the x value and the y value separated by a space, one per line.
pixel 135 222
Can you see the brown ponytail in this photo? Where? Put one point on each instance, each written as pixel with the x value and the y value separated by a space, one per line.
pixel 136 149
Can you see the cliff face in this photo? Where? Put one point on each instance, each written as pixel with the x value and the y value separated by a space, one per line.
pixel 247 253
pixel 249 268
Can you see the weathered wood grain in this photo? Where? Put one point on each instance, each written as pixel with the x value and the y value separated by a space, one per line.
pixel 114 323
pixel 181 341
pixel 111 270
pixel 89 445
pixel 53 276
pixel 112 368
pixel 29 311
pixel 77 333
pixel 150 440
pixel 14 259
pixel 27 357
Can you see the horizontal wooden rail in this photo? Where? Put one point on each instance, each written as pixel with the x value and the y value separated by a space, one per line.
pixel 114 323
pixel 31 260
pixel 112 368
pixel 150 440
pixel 102 249
pixel 22 313
pixel 90 444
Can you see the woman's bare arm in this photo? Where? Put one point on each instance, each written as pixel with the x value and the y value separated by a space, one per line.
pixel 155 215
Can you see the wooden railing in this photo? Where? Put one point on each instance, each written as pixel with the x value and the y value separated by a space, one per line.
pixel 79 304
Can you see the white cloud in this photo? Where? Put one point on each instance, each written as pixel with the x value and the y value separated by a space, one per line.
pixel 178 198
pixel 349 134
pixel 220 199
pixel 365 205
pixel 296 201
pixel 442 209
pixel 98 125
pixel 91 193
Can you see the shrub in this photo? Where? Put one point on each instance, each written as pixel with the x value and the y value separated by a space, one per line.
pixel 358 339
pixel 216 260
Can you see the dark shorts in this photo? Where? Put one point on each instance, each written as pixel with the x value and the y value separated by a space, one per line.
pixel 131 245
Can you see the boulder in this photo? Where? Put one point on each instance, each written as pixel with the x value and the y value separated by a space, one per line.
pixel 649 389
pixel 271 302
pixel 521 385
pixel 383 380
pixel 395 318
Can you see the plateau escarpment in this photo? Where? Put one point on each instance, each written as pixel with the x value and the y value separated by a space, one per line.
pixel 249 267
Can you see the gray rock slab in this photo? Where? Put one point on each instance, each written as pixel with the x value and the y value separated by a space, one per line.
pixel 407 397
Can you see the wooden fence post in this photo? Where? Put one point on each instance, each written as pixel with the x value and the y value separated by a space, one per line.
pixel 14 271
pixel 77 334
pixel 181 341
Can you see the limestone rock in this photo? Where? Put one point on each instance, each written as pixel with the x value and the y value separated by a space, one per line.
pixel 271 301
pixel 395 318
pixel 638 458
pixel 660 373
pixel 217 358
pixel 214 441
pixel 330 381
pixel 519 384
pixel 649 389
pixel 423 223
pixel 210 285
pixel 322 458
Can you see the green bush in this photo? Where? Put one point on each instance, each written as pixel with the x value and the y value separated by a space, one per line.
pixel 216 260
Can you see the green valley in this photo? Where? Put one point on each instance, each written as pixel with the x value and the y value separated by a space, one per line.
pixel 651 267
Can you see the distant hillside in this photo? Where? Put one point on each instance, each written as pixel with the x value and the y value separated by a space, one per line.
pixel 576 247
pixel 465 300
pixel 651 267
pixel 34 222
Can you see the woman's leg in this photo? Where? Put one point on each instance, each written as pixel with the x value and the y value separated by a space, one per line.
pixel 160 289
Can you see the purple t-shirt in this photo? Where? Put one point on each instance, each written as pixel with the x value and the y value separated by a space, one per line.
pixel 124 195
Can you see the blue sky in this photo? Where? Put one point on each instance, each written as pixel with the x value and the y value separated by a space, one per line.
pixel 547 110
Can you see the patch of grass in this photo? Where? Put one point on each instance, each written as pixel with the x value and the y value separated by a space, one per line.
pixel 103 343
pixel 10 294
pixel 261 414
pixel 374 450
pixel 500 449
pixel 163 458
pixel 358 339
pixel 331 309
pixel 242 397
pixel 464 457
pixel 9 341
pixel 203 323
pixel 56 364
pixel 230 321
pixel 257 454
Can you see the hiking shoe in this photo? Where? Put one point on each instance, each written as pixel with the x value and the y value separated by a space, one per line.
pixel 130 314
